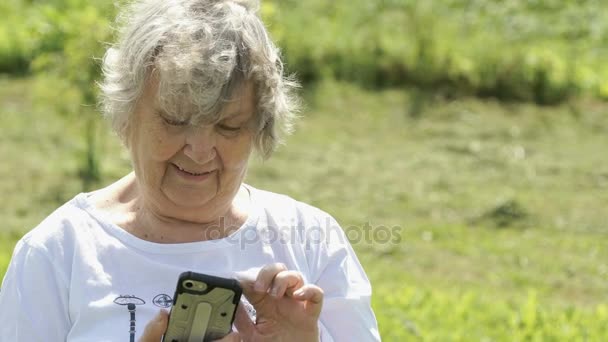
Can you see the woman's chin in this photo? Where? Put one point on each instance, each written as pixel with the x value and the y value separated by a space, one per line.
pixel 190 199
pixel 192 202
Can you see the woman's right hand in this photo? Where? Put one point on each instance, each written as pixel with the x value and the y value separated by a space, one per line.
pixel 157 327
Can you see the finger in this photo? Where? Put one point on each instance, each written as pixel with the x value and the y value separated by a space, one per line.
pixel 232 337
pixel 266 275
pixel 285 283
pixel 242 321
pixel 313 295
pixel 247 285
pixel 309 292
pixel 156 328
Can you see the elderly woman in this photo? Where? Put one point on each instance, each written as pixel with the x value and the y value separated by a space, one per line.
pixel 192 87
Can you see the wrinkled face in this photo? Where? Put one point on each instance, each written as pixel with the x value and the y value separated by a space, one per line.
pixel 187 171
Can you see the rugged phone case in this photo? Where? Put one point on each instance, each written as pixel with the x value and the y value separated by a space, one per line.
pixel 203 308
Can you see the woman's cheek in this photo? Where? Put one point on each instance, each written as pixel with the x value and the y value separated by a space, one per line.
pixel 167 145
pixel 239 152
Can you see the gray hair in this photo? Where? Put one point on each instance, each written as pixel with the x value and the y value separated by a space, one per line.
pixel 202 52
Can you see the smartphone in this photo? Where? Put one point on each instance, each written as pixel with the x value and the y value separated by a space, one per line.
pixel 203 308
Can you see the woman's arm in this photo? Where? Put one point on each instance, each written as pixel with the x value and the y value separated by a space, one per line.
pixel 347 314
pixel 33 298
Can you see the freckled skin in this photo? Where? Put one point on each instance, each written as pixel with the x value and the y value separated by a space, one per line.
pixel 158 202
pixel 157 147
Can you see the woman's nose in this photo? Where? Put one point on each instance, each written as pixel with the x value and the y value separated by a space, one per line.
pixel 200 144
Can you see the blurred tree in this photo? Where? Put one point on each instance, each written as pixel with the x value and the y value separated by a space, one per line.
pixel 70 44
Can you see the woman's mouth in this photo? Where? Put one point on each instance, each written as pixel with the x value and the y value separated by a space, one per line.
pixel 198 176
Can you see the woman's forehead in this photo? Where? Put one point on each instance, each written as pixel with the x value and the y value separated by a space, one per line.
pixel 241 102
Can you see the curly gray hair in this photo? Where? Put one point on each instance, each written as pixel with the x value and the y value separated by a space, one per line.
pixel 202 52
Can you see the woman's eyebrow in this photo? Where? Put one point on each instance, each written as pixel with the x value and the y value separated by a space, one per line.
pixel 233 115
pixel 160 111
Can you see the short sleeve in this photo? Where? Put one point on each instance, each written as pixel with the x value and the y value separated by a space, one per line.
pixel 347 314
pixel 33 298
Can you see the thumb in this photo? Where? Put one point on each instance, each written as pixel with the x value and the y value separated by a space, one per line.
pixel 156 328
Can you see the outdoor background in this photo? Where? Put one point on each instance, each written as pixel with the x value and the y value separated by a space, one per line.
pixel 475 131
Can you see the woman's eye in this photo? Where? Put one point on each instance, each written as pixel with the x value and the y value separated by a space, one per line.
pixel 226 128
pixel 173 122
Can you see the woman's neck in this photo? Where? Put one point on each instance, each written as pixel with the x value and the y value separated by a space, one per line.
pixel 128 209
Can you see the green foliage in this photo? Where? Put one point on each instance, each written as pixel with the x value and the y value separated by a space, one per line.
pixel 540 51
pixel 32 29
pixel 504 50
pixel 71 47
pixel 15 38
pixel 61 38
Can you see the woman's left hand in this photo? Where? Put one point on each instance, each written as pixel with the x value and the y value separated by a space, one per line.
pixel 286 308
pixel 157 327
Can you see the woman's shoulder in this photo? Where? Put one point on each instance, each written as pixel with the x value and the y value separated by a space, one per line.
pixel 284 207
pixel 60 226
pixel 276 202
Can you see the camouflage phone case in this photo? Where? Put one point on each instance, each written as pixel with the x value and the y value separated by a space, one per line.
pixel 203 308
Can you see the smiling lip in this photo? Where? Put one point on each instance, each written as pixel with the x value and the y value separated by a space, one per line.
pixel 192 176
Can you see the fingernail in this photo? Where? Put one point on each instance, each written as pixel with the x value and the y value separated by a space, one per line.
pixel 274 292
pixel 298 293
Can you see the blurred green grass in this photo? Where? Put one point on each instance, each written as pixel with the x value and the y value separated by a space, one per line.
pixel 500 207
